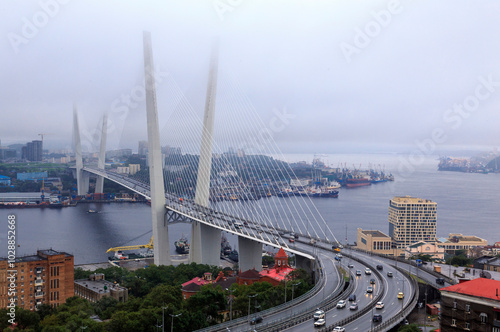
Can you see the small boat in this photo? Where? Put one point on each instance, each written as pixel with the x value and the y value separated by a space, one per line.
pixel 92 211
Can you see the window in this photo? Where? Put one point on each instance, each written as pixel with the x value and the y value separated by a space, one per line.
pixel 453 322
pixel 484 318
pixel 454 304
pixel 467 325
pixel 57 283
pixel 467 307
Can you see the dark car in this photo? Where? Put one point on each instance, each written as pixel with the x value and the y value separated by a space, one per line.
pixel 372 281
pixel 377 318
pixel 380 267
pixel 256 320
pixel 440 281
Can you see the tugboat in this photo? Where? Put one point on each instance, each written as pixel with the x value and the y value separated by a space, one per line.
pixel 182 245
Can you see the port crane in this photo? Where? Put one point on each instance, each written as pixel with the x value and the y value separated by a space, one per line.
pixel 139 246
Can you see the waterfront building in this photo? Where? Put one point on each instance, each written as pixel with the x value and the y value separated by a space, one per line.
pixel 424 248
pixel 96 287
pixel 44 278
pixel 461 242
pixel 4 180
pixel 33 176
pixel 375 241
pixel 471 306
pixel 412 220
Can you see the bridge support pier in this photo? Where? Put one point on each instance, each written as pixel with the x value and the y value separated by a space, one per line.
pixel 304 263
pixel 250 254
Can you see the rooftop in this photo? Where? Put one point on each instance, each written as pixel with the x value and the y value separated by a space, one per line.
pixel 98 286
pixel 277 274
pixel 375 233
pixel 40 256
pixel 480 287
pixel 410 200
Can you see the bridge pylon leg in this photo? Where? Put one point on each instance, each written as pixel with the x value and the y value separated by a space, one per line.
pixel 250 254
pixel 205 244
pixel 160 226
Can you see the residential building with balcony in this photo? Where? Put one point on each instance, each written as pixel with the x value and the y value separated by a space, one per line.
pixel 44 278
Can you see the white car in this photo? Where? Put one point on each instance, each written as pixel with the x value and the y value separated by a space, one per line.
pixel 368 271
pixel 379 305
pixel 319 322
pixel 319 314
pixel 339 329
pixel 341 304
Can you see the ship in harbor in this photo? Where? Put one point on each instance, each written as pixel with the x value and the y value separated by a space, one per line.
pixel 182 245
pixel 225 247
pixel 358 181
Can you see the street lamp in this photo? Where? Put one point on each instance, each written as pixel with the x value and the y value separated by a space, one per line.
pixel 173 316
pixel 250 297
pixel 158 326
pixel 163 317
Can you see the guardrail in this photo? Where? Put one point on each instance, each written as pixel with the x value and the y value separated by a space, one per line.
pixel 393 321
pixel 365 309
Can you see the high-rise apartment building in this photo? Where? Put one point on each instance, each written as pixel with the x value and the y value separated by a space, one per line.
pixel 33 151
pixel 411 220
pixel 143 148
pixel 44 278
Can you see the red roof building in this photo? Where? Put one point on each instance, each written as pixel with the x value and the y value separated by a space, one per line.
pixel 471 305
pixel 273 275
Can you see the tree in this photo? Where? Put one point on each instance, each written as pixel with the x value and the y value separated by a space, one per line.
pixel 409 328
pixel 208 300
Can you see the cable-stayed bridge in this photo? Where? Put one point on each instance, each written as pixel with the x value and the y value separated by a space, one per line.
pixel 195 183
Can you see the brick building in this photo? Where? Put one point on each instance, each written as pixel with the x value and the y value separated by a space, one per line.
pixel 96 287
pixel 44 278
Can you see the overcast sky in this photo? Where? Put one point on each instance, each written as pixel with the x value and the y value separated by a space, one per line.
pixel 361 75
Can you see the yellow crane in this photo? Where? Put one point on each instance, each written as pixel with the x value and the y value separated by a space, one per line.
pixel 139 246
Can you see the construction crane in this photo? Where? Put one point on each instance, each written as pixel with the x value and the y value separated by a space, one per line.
pixel 43 134
pixel 139 246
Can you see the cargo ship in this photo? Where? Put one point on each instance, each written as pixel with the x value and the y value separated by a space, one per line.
pixel 182 245
pixel 358 182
